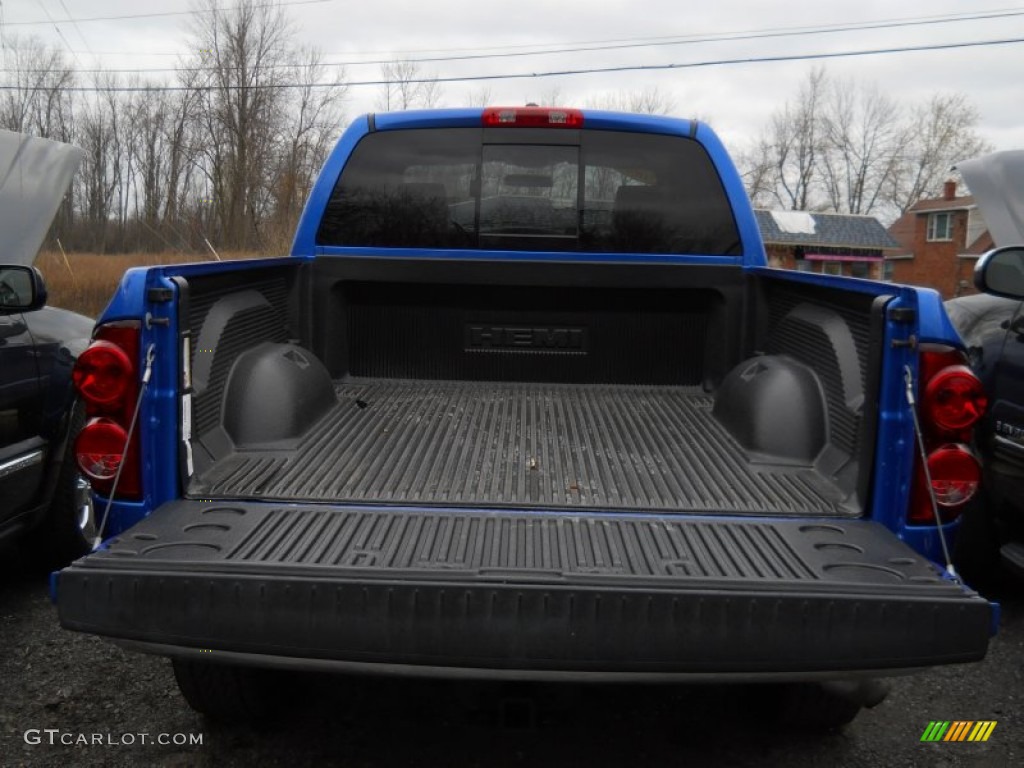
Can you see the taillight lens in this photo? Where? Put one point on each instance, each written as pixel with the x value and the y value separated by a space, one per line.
pixel 103 373
pixel 954 399
pixel 106 377
pixel 99 449
pixel 955 474
pixel 532 117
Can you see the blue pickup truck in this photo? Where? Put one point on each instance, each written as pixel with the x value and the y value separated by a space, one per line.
pixel 525 402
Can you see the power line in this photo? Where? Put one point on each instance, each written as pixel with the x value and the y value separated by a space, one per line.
pixel 78 29
pixel 937 17
pixel 638 43
pixel 42 22
pixel 946 16
pixel 60 34
pixel 555 47
pixel 558 73
pixel 723 37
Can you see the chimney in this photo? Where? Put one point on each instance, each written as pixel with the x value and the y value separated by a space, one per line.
pixel 949 190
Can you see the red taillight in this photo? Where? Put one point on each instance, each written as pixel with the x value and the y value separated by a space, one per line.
pixel 532 117
pixel 955 475
pixel 103 373
pixel 106 377
pixel 954 399
pixel 99 449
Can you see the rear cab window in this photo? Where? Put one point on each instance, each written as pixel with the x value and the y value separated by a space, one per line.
pixel 530 189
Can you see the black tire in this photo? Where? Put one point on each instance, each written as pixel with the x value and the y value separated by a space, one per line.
pixel 814 706
pixel 819 706
pixel 69 527
pixel 228 693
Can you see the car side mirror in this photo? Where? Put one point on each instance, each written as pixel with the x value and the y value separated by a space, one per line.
pixel 21 289
pixel 1000 272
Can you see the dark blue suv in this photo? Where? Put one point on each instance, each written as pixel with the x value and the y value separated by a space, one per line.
pixel 992 327
pixel 45 503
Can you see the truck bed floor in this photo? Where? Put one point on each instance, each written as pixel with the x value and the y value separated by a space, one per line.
pixel 513 444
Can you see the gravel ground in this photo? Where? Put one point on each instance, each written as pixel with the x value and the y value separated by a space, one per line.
pixel 81 685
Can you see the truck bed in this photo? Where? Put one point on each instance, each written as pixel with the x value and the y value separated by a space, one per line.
pixel 505 444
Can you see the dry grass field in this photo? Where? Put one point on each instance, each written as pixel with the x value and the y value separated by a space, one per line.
pixel 85 281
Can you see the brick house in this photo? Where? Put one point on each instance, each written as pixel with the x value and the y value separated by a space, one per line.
pixel 828 243
pixel 941 240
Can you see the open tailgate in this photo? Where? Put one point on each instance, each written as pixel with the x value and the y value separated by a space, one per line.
pixel 525 591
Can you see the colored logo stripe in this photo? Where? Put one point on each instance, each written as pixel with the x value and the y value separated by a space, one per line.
pixel 959 730
pixel 982 730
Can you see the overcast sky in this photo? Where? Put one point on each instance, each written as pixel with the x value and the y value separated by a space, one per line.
pixel 736 98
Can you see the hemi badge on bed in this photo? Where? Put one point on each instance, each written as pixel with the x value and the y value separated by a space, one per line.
pixel 522 338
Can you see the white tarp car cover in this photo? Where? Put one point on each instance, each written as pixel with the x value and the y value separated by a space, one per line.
pixel 34 175
pixel 997 183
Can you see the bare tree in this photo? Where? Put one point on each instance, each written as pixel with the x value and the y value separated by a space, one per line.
pixel 36 100
pixel 406 87
pixel 95 177
pixel 782 166
pixel 942 132
pixel 648 101
pixel 549 97
pixel 863 137
pixel 236 146
pixel 796 144
pixel 757 167
pixel 184 154
pixel 123 131
pixel 849 148
pixel 480 97
pixel 431 93
pixel 243 50
pixel 313 118
pixel 159 165
pixel 151 114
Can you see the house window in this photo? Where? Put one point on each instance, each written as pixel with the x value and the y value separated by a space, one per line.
pixel 940 226
pixel 860 269
pixel 833 268
pixel 888 268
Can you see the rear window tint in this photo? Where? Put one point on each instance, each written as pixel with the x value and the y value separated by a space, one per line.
pixel 452 188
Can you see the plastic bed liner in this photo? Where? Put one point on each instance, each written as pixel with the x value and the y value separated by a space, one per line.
pixel 601 593
pixel 450 443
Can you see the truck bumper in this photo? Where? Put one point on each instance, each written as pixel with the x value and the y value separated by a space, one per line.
pixel 547 594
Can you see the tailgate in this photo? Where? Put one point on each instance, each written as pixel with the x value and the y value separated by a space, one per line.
pixel 525 591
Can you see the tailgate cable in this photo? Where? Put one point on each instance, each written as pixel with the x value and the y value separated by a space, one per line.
pixel 908 378
pixel 147 374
